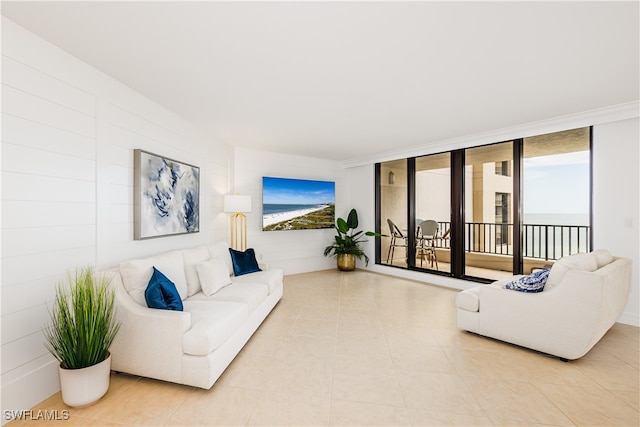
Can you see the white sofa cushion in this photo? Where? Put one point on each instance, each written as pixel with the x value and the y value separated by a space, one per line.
pixel 213 276
pixel 193 258
pixel 221 250
pixel 212 323
pixel 136 274
pixel 582 261
pixel 603 257
pixel 273 278
pixel 468 299
pixel 251 294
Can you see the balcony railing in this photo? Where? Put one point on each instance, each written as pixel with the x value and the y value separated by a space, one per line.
pixel 541 241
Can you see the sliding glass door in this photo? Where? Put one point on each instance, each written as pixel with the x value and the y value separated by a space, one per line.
pixel 433 212
pixel 556 188
pixel 488 207
pixel 487 212
pixel 393 212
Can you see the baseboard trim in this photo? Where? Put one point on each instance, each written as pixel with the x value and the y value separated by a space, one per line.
pixel 630 319
pixel 30 389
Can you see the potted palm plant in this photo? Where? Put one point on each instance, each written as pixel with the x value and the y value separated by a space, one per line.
pixel 83 327
pixel 346 245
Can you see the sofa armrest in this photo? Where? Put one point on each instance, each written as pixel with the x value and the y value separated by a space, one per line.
pixel 617 286
pixel 149 342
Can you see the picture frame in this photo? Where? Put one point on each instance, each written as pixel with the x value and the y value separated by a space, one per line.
pixel 297 204
pixel 166 196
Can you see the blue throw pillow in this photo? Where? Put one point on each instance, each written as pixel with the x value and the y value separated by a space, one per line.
pixel 533 283
pixel 244 262
pixel 162 293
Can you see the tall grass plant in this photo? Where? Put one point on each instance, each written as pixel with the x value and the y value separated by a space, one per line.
pixel 83 324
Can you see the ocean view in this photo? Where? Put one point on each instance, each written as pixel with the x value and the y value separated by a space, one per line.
pixel 556 219
pixel 278 208
pixel 563 240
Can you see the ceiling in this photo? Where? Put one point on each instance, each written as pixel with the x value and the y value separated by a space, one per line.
pixel 340 80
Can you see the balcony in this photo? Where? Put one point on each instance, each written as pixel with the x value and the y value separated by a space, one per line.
pixel 489 248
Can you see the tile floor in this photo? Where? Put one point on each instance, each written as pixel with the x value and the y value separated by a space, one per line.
pixel 348 349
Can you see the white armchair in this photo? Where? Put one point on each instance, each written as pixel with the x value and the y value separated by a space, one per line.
pixel 584 296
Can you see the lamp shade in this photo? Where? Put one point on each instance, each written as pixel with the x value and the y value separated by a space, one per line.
pixel 237 203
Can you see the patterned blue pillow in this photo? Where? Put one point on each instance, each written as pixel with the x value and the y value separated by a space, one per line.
pixel 533 283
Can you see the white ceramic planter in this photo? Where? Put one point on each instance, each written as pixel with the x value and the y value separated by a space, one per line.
pixel 85 386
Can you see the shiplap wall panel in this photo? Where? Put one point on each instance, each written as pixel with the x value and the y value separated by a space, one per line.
pixel 36 213
pixel 25 241
pixel 126 131
pixel 157 134
pixel 118 154
pixel 13 352
pixel 68 137
pixel 120 213
pixel 143 130
pixel 20 297
pixel 49 154
pixel 126 138
pixel 37 83
pixel 23 323
pixel 28 106
pixel 27 160
pixel 122 175
pixel 16 130
pixel 48 171
pixel 119 194
pixel 116 233
pixel 46 188
pixel 19 269
pixel 30 369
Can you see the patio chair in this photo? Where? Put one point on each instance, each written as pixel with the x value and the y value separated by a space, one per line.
pixel 427 233
pixel 396 235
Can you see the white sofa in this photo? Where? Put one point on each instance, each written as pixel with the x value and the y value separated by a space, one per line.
pixel 194 346
pixel 584 295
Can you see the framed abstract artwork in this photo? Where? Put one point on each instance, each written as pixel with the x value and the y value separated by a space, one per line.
pixel 166 196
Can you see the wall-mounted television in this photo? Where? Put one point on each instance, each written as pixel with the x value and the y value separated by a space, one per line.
pixel 297 204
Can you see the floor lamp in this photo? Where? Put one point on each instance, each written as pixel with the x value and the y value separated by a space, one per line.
pixel 238 205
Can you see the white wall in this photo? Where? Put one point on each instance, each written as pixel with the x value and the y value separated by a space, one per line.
pixel 68 134
pixel 361 182
pixel 616 206
pixel 295 251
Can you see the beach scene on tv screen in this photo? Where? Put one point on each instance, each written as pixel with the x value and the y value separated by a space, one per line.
pixel 297 204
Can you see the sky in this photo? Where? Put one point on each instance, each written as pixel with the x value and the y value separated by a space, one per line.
pixel 557 184
pixel 297 191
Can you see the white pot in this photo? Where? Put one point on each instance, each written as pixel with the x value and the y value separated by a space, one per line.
pixel 85 386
